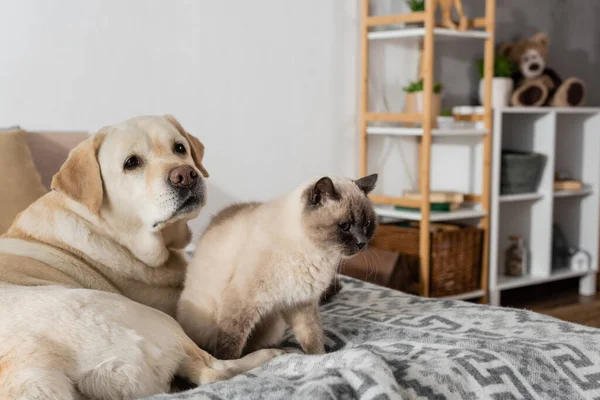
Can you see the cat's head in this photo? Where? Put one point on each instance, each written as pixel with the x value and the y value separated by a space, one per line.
pixel 338 215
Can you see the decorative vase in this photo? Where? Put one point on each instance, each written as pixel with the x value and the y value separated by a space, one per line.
pixel 445 122
pixel 516 257
pixel 502 89
pixel 414 104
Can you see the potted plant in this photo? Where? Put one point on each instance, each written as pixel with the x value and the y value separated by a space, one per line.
pixel 445 120
pixel 502 83
pixel 415 6
pixel 414 101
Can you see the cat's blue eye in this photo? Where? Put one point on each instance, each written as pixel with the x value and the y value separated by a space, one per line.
pixel 344 226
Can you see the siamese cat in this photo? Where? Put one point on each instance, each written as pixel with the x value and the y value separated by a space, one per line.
pixel 262 266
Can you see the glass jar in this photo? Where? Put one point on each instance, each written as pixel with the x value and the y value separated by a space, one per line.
pixel 516 257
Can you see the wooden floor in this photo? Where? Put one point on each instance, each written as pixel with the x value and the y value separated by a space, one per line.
pixel 560 300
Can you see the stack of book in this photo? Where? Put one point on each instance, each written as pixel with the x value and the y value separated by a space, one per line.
pixel 440 201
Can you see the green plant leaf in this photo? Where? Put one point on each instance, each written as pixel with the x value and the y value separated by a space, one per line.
pixel 503 67
pixel 416 5
pixel 417 86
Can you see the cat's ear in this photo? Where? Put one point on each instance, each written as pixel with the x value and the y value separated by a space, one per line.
pixel 367 183
pixel 322 190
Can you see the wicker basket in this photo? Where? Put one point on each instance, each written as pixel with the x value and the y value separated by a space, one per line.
pixel 455 264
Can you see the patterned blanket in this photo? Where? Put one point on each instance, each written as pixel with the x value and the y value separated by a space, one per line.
pixel 384 344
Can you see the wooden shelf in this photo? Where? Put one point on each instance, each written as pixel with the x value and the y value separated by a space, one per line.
pixel 420 32
pixel 507 198
pixel 572 193
pixel 397 131
pixel 512 282
pixel 463 213
pixel 393 117
pixel 424 26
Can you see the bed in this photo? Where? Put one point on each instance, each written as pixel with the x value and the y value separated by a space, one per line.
pixel 386 344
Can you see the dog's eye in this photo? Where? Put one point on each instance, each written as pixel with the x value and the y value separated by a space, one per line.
pixel 132 163
pixel 179 148
pixel 344 226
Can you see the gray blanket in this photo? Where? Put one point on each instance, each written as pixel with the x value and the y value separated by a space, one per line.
pixel 385 344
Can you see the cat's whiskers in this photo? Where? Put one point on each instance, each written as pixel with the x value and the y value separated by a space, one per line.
pixel 371 263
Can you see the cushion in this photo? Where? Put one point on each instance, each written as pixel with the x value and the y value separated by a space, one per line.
pixel 20 182
pixel 50 150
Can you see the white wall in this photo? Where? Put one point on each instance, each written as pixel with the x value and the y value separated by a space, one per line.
pixel 269 86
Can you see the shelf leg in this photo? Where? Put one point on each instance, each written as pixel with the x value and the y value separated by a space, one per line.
pixel 587 284
pixel 364 87
pixel 495 298
pixel 490 10
pixel 425 148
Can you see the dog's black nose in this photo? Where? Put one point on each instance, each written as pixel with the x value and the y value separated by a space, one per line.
pixel 360 245
pixel 183 176
pixel 534 67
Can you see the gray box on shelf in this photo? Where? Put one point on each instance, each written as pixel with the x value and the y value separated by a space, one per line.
pixel 521 172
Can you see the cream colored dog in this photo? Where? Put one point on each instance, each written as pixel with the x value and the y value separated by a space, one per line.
pixel 89 276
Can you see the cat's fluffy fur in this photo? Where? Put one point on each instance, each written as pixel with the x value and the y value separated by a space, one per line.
pixel 261 265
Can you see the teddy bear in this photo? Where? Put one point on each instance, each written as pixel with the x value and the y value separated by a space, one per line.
pixel 535 84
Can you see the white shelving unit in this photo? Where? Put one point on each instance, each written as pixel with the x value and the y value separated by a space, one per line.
pixel 570 139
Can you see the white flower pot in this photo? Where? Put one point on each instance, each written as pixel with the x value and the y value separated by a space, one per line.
pixel 414 104
pixel 445 122
pixel 502 89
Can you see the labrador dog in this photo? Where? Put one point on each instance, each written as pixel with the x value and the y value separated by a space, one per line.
pixel 90 273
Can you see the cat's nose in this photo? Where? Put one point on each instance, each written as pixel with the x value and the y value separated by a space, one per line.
pixel 360 245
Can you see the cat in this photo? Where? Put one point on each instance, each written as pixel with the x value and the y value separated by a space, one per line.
pixel 262 266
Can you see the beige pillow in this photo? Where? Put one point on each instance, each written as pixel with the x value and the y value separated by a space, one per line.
pixel 20 182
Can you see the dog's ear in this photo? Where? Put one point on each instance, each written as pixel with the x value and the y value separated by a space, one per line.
pixel 79 178
pixel 195 144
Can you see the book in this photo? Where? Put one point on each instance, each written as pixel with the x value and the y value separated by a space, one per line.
pixel 435 207
pixel 570 184
pixel 438 197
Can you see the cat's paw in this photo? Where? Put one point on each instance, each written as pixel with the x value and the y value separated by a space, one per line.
pixel 263 355
pixel 272 353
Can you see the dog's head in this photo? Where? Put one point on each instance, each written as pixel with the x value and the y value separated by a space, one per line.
pixel 146 172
